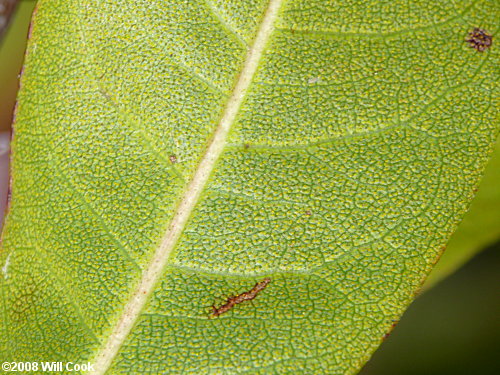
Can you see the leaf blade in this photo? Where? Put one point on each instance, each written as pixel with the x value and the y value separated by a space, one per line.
pixel 323 195
pixel 478 229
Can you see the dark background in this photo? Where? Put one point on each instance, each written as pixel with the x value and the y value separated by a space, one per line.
pixel 453 328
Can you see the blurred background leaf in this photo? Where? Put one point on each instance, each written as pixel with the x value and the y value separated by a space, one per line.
pixel 12 45
pixel 7 8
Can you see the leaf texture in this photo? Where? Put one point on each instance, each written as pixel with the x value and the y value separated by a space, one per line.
pixel 169 154
pixel 480 227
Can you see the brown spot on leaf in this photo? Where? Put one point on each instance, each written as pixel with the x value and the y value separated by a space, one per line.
pixel 173 159
pixel 479 39
pixel 245 296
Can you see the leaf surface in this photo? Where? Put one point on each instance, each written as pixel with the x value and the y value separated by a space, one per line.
pixel 480 227
pixel 170 154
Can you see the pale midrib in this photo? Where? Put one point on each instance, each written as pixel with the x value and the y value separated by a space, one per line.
pixel 190 198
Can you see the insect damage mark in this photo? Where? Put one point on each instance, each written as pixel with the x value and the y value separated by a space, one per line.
pixel 479 39
pixel 245 296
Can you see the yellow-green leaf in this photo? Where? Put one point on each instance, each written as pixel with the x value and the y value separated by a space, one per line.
pixel 170 154
pixel 480 226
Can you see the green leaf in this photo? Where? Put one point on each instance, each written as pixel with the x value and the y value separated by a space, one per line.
pixel 169 154
pixel 479 228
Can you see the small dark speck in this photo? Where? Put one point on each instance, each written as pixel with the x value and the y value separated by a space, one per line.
pixel 479 39
pixel 308 212
pixel 173 159
pixel 246 146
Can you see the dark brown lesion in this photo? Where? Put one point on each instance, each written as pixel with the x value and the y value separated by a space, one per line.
pixel 245 296
pixel 479 39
